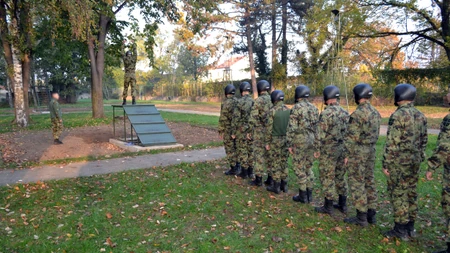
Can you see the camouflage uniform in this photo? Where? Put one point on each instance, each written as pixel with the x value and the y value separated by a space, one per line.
pixel 129 62
pixel 332 128
pixel 277 122
pixel 404 151
pixel 244 148
pixel 362 135
pixel 226 128
pixel 56 117
pixel 258 128
pixel 441 156
pixel 301 136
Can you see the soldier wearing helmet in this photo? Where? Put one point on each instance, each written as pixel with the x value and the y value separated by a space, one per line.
pixel 258 131
pixel 404 150
pixel 129 62
pixel 332 129
pixel 301 137
pixel 244 148
pixel 362 135
pixel 277 122
pixel 227 130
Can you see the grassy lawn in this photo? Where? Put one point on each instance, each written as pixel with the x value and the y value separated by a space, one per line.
pixel 193 208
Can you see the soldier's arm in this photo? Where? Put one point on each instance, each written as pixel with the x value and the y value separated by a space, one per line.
pixel 292 128
pixel 424 138
pixel 236 118
pixel 253 117
pixel 134 48
pixel 269 126
pixel 221 126
pixel 353 132
pixel 231 119
pixel 393 139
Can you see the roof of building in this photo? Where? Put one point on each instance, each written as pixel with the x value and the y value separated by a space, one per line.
pixel 230 62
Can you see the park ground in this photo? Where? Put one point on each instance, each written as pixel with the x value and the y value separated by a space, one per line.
pixel 182 208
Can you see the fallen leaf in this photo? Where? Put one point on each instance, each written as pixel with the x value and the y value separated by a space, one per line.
pixel 226 248
pixel 109 215
pixel 277 239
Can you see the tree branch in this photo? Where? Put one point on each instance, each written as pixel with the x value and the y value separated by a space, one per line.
pixel 420 33
pixel 120 7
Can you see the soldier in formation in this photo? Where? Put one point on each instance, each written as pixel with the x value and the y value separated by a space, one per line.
pixel 277 122
pixel 56 118
pixel 301 136
pixel 226 129
pixel 404 151
pixel 362 135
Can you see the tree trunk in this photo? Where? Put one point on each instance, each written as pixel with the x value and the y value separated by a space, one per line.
pixel 97 59
pixel 7 51
pixel 19 98
pixel 248 34
pixel 274 33
pixel 445 25
pixel 284 45
pixel 26 76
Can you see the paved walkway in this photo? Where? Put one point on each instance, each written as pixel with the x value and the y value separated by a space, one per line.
pixel 84 169
pixel 189 112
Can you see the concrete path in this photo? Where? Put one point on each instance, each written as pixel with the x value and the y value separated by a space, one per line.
pixel 84 169
pixel 383 130
pixel 189 112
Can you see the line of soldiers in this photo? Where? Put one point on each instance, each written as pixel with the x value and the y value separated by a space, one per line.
pixel 264 132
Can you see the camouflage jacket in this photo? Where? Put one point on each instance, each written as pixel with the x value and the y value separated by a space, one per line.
pixel 129 61
pixel 277 121
pixel 332 126
pixel 242 114
pixel 406 137
pixel 441 154
pixel 302 129
pixel 363 127
pixel 227 116
pixel 55 109
pixel 258 114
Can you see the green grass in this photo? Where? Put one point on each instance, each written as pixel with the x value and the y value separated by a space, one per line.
pixel 193 208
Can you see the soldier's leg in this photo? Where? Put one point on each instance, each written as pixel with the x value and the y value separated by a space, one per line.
pixel 133 87
pixel 284 155
pixel 274 164
pixel 55 129
pixel 412 180
pixel 259 153
pixel 327 166
pixel 229 145
pixel 242 150
pixel 398 189
pixel 59 129
pixel 250 154
pixel 371 189
pixel 126 83
pixel 341 183
pixel 300 168
pixel 356 181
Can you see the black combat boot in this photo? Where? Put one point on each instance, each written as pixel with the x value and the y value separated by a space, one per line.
pixel 275 187
pixel 231 171
pixel 133 102
pixel 284 186
pixel 124 101
pixel 269 180
pixel 244 173
pixel 342 204
pixel 250 172
pixel 326 208
pixel 359 219
pixel 399 231
pixel 371 216
pixel 411 230
pixel 302 197
pixel 445 251
pixel 238 168
pixel 309 194
pixel 57 142
pixel 257 181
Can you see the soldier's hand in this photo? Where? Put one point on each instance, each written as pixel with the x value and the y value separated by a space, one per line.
pixel 291 151
pixel 221 136
pixel 386 172
pixel 429 175
pixel 249 137
pixel 233 136
pixel 346 161
pixel 267 147
pixel 316 155
pixel 60 120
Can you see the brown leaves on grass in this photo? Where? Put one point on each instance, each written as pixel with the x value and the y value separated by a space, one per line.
pixel 109 215
pixel 110 243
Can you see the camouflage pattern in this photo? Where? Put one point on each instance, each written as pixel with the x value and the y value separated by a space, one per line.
pixel 226 128
pixel 278 153
pixel 56 118
pixel 244 146
pixel 362 134
pixel 301 135
pixel 129 62
pixel 332 129
pixel 441 156
pixel 258 128
pixel 404 151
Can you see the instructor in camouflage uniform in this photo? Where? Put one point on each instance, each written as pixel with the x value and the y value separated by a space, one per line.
pixel 258 131
pixel 332 129
pixel 362 134
pixel 404 151
pixel 244 148
pixel 277 123
pixel 226 130
pixel 56 117
pixel 301 137
pixel 129 62
pixel 441 156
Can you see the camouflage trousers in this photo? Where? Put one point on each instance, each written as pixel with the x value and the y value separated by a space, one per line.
pixel 278 155
pixel 361 178
pixel 332 171
pixel 244 150
pixel 445 201
pixel 230 149
pixel 57 128
pixel 259 156
pixel 402 188
pixel 129 81
pixel 302 162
